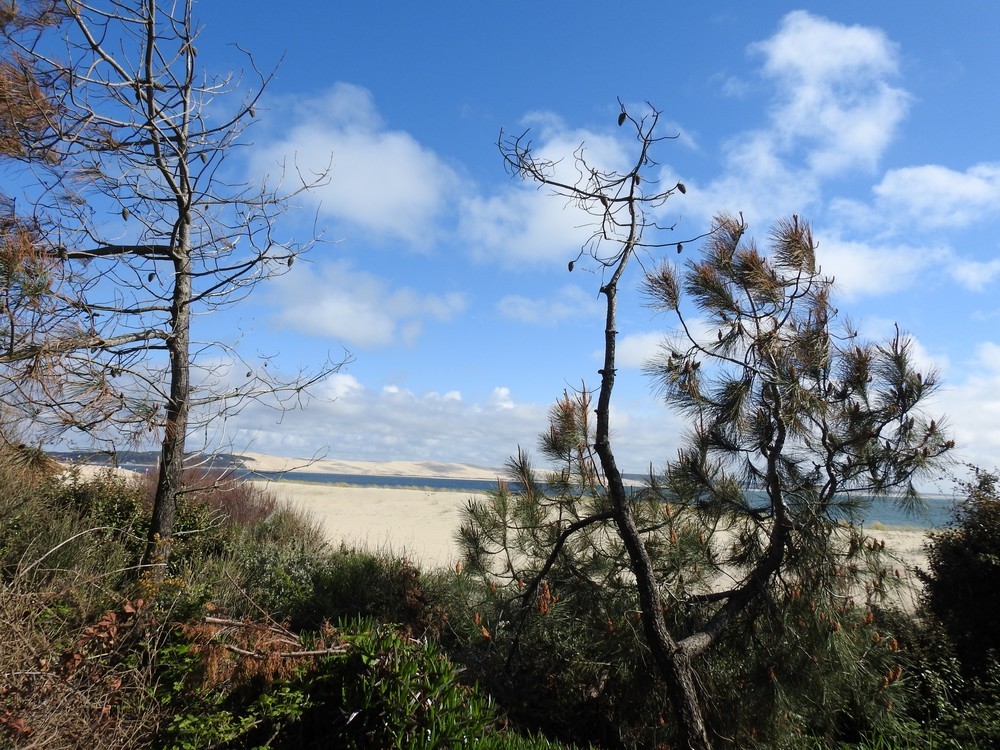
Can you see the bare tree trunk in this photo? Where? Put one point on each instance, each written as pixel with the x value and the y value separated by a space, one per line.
pixel 672 661
pixel 175 429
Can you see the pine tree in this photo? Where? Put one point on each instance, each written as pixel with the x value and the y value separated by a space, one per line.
pixel 795 425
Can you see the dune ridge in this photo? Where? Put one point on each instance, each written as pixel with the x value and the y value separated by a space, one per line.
pixel 417 469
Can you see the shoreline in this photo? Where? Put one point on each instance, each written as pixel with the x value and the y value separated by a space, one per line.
pixel 420 523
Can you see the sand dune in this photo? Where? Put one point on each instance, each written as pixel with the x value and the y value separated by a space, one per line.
pixel 423 469
pixel 421 524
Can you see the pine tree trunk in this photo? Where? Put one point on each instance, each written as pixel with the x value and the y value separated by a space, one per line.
pixel 673 663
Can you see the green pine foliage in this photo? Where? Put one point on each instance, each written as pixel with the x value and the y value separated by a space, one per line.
pixel 554 629
pixel 794 426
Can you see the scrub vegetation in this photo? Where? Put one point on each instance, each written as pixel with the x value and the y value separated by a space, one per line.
pixel 260 634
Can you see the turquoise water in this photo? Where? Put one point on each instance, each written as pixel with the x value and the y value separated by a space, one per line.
pixel 937 514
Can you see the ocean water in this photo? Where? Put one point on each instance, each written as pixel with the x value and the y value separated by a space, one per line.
pixel 936 515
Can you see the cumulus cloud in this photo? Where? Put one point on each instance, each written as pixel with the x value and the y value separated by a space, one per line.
pixel 834 97
pixel 522 224
pixel 868 268
pixel 635 350
pixel 937 197
pixel 394 423
pixel 972 408
pixel 381 180
pixel 337 385
pixel 357 308
pixel 973 274
pixel 517 226
pixel 833 109
pixel 755 182
pixel 391 422
pixel 500 399
pixel 863 269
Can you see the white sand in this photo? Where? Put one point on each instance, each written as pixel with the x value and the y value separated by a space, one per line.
pixel 421 524
pixel 418 524
pixel 89 471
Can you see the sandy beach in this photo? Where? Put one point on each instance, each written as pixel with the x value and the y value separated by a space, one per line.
pixel 415 523
pixel 421 524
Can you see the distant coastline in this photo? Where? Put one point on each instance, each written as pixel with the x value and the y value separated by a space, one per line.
pixel 436 476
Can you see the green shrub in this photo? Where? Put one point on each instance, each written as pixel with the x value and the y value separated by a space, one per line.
pixel 274 577
pixel 395 692
pixel 961 589
pixel 88 659
pixel 70 682
pixel 830 672
pixel 349 584
pixel 945 707
pixel 214 697
pixel 375 687
pixel 570 657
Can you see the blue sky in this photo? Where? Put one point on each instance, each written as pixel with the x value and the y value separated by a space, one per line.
pixel 447 280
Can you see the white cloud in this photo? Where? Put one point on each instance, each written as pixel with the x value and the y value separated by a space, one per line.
pixel 880 329
pixel 974 275
pixel 755 182
pixel 988 355
pixel 834 98
pixel 972 407
pixel 731 85
pixel 357 308
pixel 565 303
pixel 393 423
pixel 521 225
pixel 833 110
pixel 381 180
pixel 337 385
pixel 524 223
pixel 637 349
pixel 862 269
pixel 634 350
pixel 934 196
pixel 500 399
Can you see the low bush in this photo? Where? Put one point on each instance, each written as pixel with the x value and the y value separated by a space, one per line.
pixel 953 646
pixel 90 658
pixel 69 685
pixel 364 685
pixel 351 584
pixel 960 587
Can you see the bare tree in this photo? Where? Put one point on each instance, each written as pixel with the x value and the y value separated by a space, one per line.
pixel 623 204
pixel 137 229
pixel 794 429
